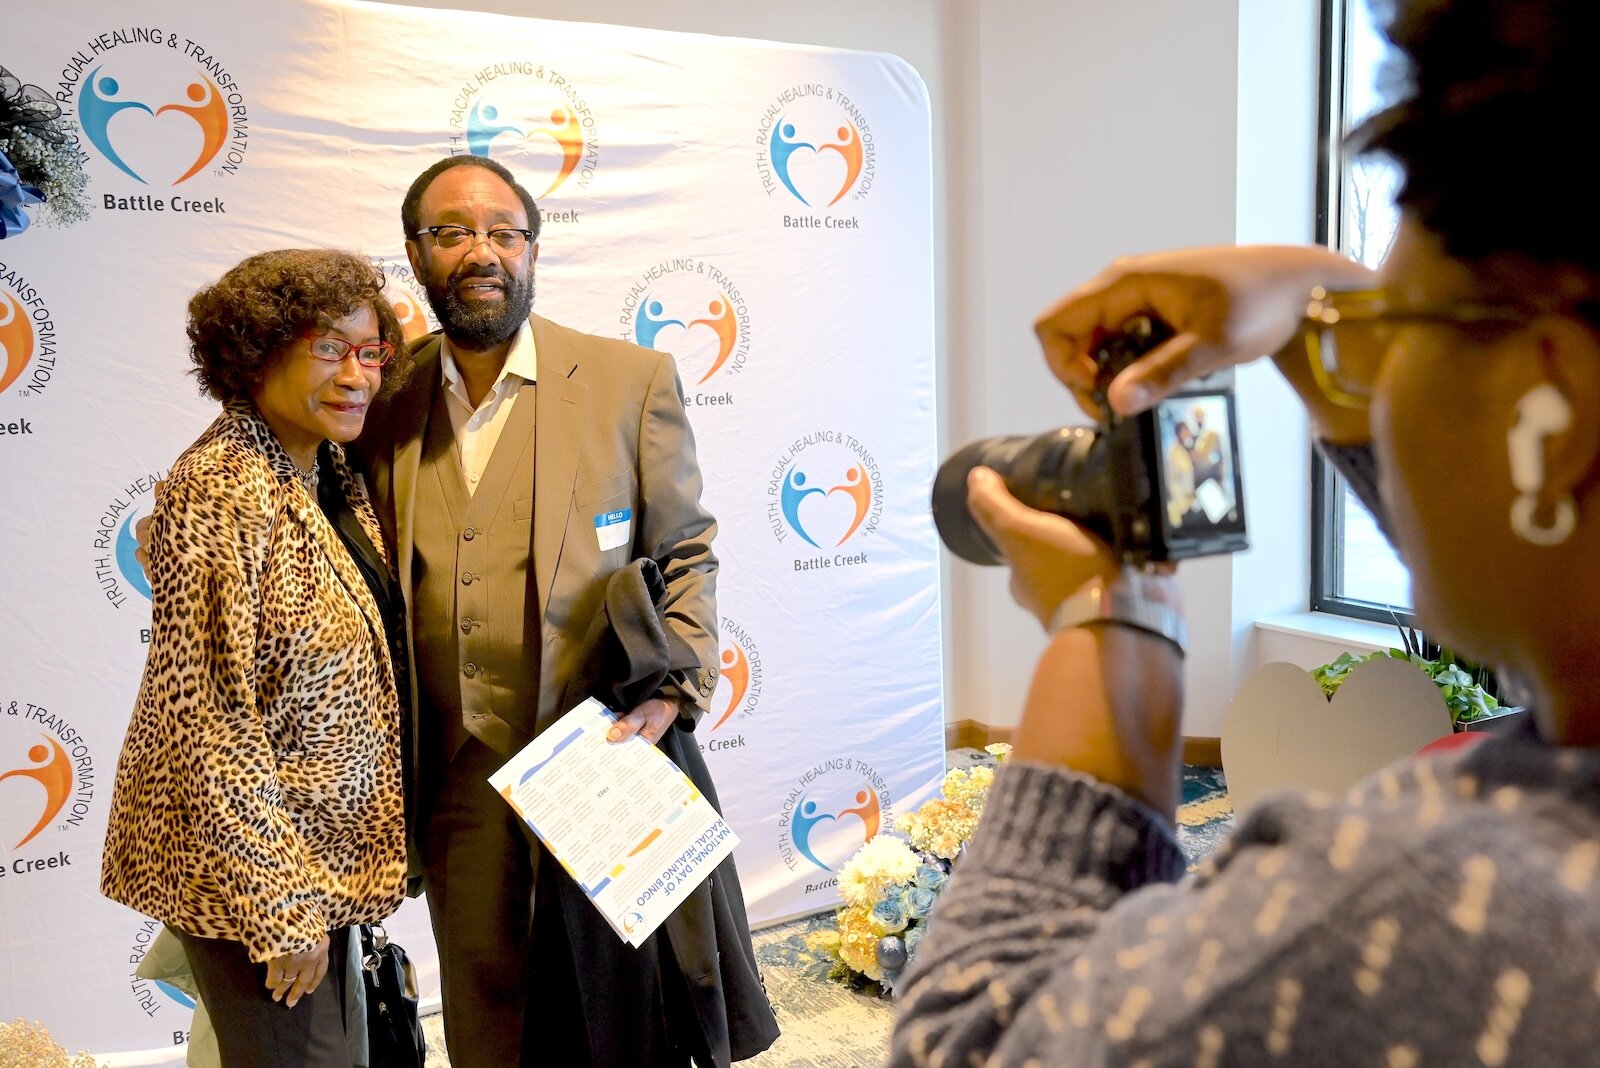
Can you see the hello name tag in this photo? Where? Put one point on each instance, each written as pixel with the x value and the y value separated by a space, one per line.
pixel 613 529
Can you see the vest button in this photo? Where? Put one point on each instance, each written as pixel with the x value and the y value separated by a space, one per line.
pixel 467 577
pixel 466 624
pixel 469 533
pixel 470 670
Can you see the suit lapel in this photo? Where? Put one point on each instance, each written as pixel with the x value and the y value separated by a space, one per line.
pixel 560 401
pixel 410 420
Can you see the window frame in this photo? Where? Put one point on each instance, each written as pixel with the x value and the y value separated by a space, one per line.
pixel 1327 487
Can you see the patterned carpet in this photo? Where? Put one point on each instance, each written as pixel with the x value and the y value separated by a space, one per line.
pixel 827 1024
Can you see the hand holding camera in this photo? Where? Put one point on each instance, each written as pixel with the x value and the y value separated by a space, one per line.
pixel 1226 306
pixel 1131 481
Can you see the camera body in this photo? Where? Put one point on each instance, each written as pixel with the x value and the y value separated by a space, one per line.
pixel 1161 486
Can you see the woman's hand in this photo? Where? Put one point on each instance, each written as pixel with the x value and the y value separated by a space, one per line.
pixel 297 974
pixel 1051 557
pixel 1227 306
pixel 1107 700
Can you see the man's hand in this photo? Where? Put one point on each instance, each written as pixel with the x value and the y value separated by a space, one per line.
pixel 141 531
pixel 297 974
pixel 649 720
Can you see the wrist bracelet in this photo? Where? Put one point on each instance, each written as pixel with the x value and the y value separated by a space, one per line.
pixel 1119 601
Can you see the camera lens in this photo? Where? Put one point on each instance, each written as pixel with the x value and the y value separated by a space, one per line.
pixel 1061 471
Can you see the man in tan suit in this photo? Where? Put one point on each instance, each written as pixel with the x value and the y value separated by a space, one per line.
pixel 520 466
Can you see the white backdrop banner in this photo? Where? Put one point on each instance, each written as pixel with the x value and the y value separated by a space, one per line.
pixel 761 211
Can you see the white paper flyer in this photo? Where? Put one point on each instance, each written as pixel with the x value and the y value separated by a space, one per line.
pixel 621 817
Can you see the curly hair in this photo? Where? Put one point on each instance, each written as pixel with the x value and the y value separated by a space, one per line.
pixel 1494 97
pixel 411 206
pixel 241 325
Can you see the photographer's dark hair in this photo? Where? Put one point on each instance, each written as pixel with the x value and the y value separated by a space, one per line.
pixel 410 210
pixel 1494 100
pixel 242 323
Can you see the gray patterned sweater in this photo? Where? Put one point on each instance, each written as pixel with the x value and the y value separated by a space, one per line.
pixel 1445 912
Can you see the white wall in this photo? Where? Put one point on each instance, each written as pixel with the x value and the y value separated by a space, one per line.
pixel 1066 134
pixel 1106 127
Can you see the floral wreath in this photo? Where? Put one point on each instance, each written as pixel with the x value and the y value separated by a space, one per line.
pixel 39 161
pixel 893 882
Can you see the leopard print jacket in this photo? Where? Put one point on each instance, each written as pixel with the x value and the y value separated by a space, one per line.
pixel 258 793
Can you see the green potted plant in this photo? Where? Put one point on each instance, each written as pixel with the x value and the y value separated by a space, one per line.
pixel 1470 691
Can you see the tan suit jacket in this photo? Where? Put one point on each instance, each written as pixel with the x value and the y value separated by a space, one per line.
pixel 611 432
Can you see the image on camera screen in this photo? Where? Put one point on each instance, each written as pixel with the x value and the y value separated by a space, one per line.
pixel 1199 466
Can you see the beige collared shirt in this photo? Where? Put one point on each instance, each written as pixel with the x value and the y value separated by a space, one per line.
pixel 477 430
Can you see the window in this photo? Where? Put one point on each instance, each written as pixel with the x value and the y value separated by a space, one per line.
pixel 1354 571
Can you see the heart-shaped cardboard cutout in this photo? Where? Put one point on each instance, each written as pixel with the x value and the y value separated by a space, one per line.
pixel 1280 732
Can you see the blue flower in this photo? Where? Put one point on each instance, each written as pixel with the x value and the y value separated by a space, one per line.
pixel 888 917
pixel 919 901
pixel 929 877
pixel 912 936
pixel 14 195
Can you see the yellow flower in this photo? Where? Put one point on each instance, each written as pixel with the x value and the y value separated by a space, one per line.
pixel 28 1045
pixel 858 943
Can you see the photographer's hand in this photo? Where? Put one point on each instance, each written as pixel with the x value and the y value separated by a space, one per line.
pixel 1227 306
pixel 1106 699
pixel 1050 557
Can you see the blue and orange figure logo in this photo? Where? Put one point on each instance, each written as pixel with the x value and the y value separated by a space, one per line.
pixel 407 309
pixel 51 768
pixel 809 816
pixel 102 101
pixel 128 554
pixel 720 319
pixel 855 485
pixel 845 142
pixel 16 339
pixel 484 126
pixel 736 670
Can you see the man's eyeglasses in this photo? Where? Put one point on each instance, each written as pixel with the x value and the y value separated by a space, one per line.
pixel 1346 335
pixel 506 240
pixel 337 350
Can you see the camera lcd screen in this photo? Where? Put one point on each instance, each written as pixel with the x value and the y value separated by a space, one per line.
pixel 1199 459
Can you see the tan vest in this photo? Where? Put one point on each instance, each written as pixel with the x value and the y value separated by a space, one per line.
pixel 475 615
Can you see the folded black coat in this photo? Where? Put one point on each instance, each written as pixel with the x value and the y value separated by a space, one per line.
pixel 627 656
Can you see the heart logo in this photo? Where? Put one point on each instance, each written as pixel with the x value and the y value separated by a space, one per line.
pixel 828 517
pixel 817 176
pixel 1280 732
pixel 695 347
pixel 159 148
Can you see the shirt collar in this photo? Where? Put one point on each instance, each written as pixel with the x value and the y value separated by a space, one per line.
pixel 522 361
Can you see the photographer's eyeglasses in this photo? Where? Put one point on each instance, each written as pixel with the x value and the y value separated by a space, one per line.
pixel 1346 335
pixel 506 240
pixel 337 350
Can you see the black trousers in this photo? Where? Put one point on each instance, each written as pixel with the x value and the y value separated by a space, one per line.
pixel 253 1031
pixel 514 991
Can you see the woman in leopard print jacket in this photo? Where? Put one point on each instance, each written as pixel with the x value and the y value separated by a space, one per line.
pixel 257 809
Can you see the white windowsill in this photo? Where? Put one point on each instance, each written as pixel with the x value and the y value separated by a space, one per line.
pixel 1356 633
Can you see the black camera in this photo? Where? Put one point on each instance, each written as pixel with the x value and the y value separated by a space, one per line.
pixel 1162 485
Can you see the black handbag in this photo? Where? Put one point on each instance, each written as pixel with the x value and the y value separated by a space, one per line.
pixel 394 1033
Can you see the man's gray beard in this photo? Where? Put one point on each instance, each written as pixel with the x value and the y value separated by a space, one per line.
pixel 481 325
